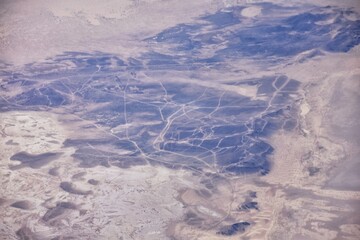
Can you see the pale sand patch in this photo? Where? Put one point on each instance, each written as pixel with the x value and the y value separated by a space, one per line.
pixel 301 206
pixel 304 109
pixel 35 132
pixel 251 12
pixel 244 90
pixel 131 203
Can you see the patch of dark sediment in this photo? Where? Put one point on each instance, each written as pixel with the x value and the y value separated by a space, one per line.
pixel 93 182
pixel 24 233
pixel 58 210
pixel 54 171
pixel 71 188
pixel 24 205
pixel 33 160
